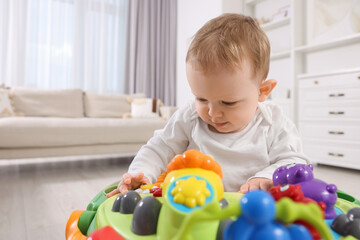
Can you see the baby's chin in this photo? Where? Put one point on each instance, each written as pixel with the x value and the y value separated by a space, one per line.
pixel 224 130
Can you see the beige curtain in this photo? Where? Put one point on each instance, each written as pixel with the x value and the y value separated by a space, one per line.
pixel 151 49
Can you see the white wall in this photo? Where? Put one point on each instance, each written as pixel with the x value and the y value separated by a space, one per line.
pixel 232 6
pixel 192 15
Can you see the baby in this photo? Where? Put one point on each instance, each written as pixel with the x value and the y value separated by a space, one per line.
pixel 226 65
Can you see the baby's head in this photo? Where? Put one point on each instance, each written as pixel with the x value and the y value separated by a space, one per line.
pixel 226 42
pixel 227 64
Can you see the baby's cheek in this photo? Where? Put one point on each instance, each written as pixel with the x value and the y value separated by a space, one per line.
pixel 199 108
pixel 242 119
pixel 247 115
pixel 203 115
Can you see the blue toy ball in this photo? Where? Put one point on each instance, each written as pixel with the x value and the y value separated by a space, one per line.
pixel 257 221
pixel 271 231
pixel 299 232
pixel 258 207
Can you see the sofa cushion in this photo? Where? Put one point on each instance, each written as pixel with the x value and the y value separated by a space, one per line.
pixel 19 132
pixel 48 103
pixel 108 105
pixel 5 105
pixel 145 108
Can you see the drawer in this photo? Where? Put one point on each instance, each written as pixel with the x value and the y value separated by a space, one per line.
pixel 340 80
pixel 338 132
pixel 330 94
pixel 346 155
pixel 330 112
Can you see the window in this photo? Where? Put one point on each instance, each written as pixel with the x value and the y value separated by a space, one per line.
pixel 66 44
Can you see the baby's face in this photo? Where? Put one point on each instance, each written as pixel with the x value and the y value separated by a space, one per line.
pixel 225 100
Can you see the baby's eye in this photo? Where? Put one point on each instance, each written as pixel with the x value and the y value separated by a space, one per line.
pixel 201 99
pixel 229 103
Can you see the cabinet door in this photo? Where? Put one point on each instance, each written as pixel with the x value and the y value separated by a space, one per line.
pixel 336 132
pixel 344 155
pixel 342 80
pixel 330 94
pixel 345 111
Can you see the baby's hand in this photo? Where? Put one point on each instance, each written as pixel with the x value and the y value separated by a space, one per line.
pixel 256 183
pixel 129 182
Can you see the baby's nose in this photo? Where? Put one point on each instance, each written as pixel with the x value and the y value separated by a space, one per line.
pixel 214 111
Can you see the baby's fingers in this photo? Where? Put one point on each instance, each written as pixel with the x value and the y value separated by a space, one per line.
pixel 112 193
pixel 139 178
pixel 266 185
pixel 254 186
pixel 126 178
pixel 245 188
pixel 124 188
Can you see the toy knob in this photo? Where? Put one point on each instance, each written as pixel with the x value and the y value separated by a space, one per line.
pixel 258 207
pixel 331 188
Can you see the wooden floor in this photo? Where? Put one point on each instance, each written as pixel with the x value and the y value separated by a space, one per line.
pixel 36 200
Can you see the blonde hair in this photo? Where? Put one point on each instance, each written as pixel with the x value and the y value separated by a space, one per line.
pixel 228 40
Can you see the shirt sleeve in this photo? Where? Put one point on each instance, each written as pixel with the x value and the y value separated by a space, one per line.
pixel 284 144
pixel 153 158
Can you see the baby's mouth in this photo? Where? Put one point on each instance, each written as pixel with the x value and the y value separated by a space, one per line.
pixel 219 124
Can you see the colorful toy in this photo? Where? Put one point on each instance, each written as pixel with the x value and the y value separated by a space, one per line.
pixel 295 193
pixel 258 221
pixel 313 188
pixel 293 174
pixel 105 233
pixel 348 224
pixel 194 206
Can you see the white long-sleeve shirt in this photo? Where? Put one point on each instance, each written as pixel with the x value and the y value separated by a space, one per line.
pixel 267 142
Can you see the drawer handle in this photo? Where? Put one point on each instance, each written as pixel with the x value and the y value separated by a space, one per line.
pixel 336 154
pixel 336 133
pixel 336 113
pixel 337 95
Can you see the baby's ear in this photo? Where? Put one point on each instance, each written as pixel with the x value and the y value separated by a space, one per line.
pixel 265 89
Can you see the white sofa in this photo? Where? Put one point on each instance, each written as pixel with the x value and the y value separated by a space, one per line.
pixel 49 123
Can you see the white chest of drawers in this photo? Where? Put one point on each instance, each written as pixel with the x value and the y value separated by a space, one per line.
pixel 329 118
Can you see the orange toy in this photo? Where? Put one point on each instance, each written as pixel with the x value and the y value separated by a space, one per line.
pixel 191 159
pixel 72 230
pixel 160 179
